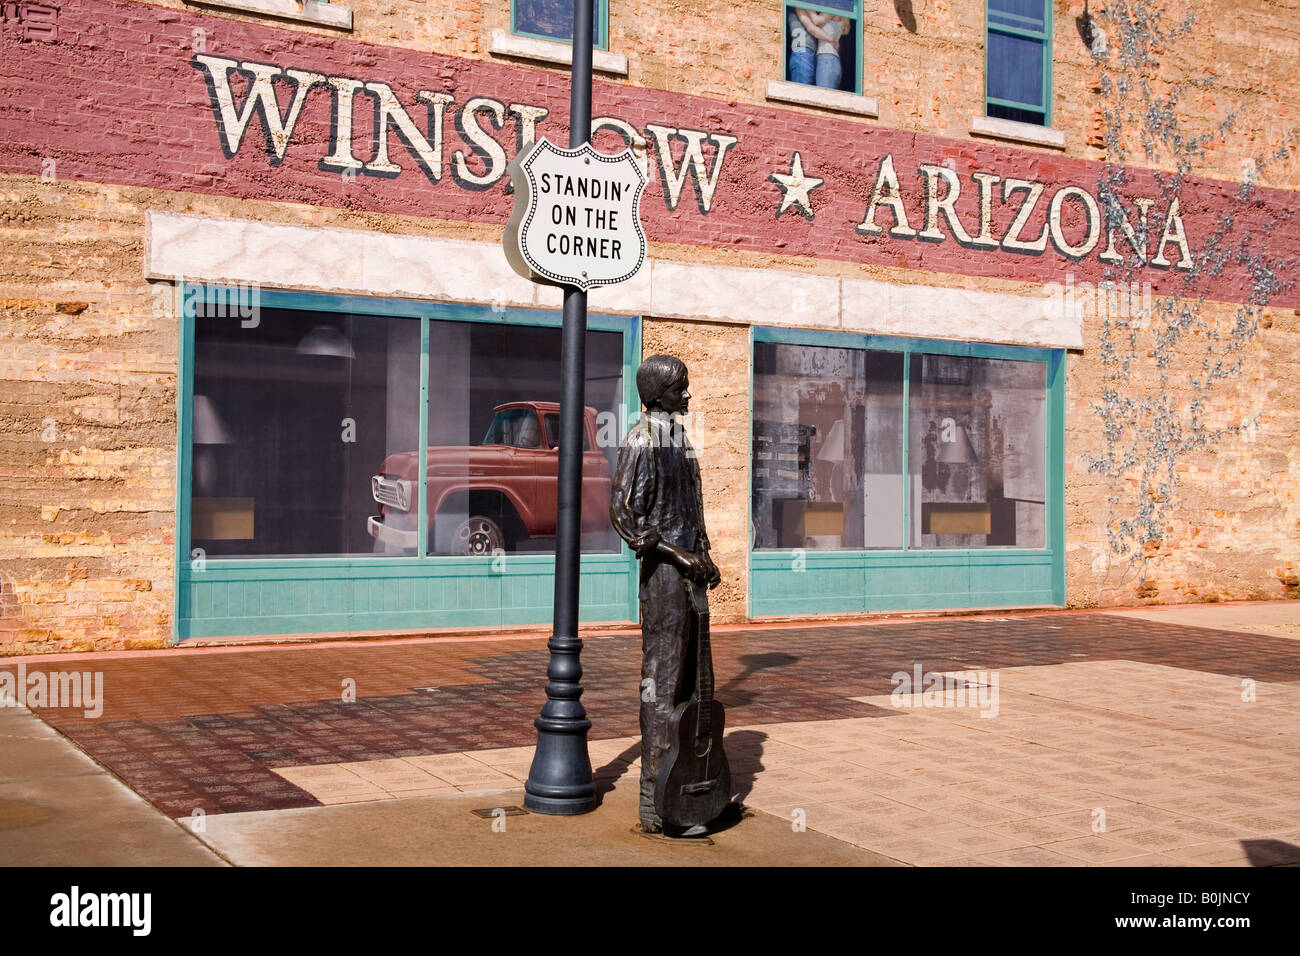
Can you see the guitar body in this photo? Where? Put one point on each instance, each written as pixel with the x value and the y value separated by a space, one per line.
pixel 694 783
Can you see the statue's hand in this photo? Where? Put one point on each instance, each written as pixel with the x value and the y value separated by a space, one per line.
pixel 694 568
pixel 712 575
pixel 689 564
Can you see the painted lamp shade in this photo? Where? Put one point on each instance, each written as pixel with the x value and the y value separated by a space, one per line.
pixel 326 340
pixel 959 451
pixel 209 427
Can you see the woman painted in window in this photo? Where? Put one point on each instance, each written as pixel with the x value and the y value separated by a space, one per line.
pixel 815 47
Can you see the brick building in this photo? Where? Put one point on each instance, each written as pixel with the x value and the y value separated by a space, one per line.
pixel 986 305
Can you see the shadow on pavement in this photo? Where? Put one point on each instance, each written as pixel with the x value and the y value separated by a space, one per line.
pixel 1271 852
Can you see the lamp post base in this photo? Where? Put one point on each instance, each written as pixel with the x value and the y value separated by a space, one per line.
pixel 560 807
pixel 559 780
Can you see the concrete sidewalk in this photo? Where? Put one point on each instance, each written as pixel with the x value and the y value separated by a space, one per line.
pixel 60 808
pixel 1146 737
pixel 1273 618
pixel 446 831
pixel 1079 764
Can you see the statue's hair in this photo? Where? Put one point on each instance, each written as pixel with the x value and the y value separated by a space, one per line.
pixel 657 374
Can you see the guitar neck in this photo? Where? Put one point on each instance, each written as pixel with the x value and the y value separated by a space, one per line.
pixel 704 681
pixel 705 674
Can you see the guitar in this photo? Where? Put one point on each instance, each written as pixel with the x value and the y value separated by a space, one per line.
pixel 694 783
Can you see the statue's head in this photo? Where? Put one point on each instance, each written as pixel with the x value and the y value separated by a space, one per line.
pixel 662 383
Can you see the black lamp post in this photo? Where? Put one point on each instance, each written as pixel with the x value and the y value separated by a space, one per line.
pixel 559 781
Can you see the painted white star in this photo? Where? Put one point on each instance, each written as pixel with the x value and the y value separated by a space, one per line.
pixel 795 188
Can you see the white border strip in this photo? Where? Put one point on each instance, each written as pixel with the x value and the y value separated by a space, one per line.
pixel 803 95
pixel 306 11
pixel 1014 132
pixel 359 262
pixel 548 51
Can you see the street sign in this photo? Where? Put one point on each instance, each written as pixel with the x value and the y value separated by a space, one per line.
pixel 577 216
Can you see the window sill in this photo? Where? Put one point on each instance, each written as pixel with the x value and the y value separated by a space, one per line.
pixel 548 51
pixel 801 94
pixel 304 11
pixel 995 128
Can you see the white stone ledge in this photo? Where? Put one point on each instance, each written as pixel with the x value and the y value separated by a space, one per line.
pixel 358 262
pixel 346 261
pixel 305 11
pixel 821 98
pixel 965 315
pixel 1015 132
pixel 549 51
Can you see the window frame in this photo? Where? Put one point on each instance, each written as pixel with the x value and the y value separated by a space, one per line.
pixel 1045 37
pixel 775 592
pixel 821 8
pixel 222 597
pixel 600 37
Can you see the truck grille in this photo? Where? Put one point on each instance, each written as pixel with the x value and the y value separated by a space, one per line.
pixel 393 492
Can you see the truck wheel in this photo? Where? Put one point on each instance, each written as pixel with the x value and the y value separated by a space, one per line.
pixel 479 536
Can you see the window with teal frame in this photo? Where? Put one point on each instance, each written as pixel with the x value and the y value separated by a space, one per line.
pixel 1018 61
pixel 822 44
pixel 899 474
pixel 303 504
pixel 553 20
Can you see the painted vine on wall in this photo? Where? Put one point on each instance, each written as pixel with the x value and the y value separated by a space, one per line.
pixel 1164 361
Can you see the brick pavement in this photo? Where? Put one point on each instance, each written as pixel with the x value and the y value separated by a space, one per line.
pixel 1075 689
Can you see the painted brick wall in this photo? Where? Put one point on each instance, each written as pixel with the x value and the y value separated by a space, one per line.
pixel 718 358
pixel 149 119
pixel 88 350
pixel 923 60
pixel 1232 531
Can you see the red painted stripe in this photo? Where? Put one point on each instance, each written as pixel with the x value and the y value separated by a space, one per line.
pixel 116 99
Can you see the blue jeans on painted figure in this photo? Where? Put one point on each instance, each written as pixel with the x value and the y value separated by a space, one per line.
pixel 801 66
pixel 828 70
pixel 802 52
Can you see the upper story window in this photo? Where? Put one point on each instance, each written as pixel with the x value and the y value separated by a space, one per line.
pixel 1018 61
pixel 553 20
pixel 823 44
pixel 319 12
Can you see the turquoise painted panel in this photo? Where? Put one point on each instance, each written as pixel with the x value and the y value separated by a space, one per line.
pixel 220 601
pixel 849 582
pixel 248 598
pixel 793 582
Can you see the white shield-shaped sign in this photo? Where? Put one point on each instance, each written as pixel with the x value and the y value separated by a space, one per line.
pixel 577 216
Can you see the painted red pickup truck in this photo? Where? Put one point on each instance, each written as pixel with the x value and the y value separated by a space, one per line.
pixel 490 496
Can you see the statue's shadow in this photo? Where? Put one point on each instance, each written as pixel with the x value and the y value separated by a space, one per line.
pixel 731 693
pixel 607 776
pixel 745 757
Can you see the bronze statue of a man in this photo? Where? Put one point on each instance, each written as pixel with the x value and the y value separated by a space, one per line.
pixel 657 508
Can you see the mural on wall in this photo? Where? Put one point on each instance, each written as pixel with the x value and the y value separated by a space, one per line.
pixel 1166 360
pixel 191 102
pixel 1034 212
